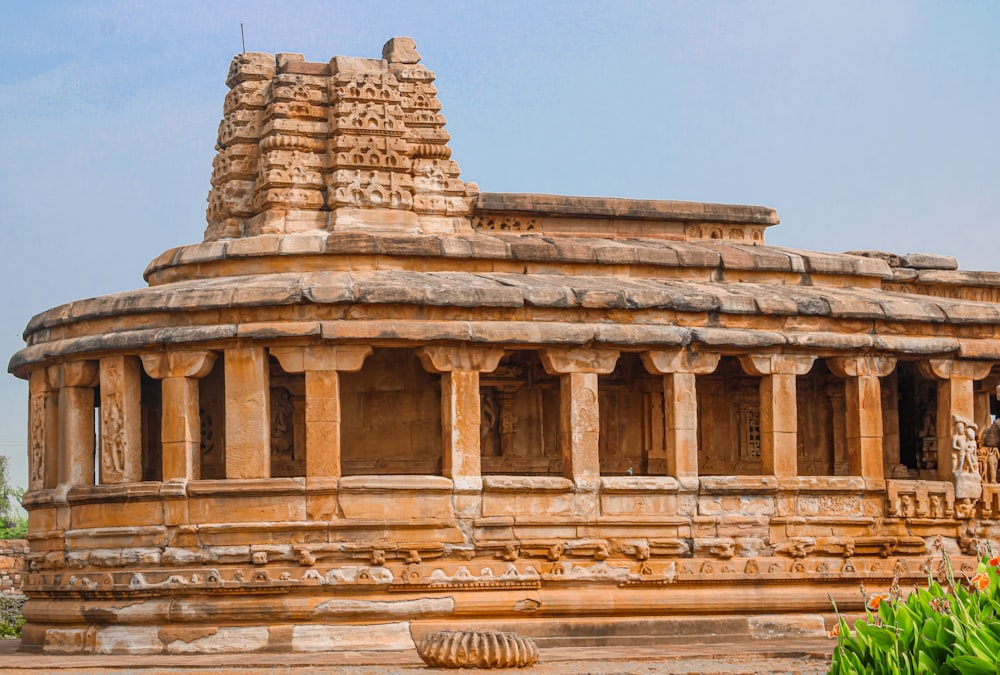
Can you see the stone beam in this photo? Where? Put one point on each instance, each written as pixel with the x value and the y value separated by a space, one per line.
pixel 248 413
pixel 778 412
pixel 460 408
pixel 180 425
pixel 322 366
pixel 679 368
pixel 863 411
pixel 75 382
pixel 579 409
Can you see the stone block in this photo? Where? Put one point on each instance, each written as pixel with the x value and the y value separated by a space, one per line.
pixel 772 626
pixel 929 261
pixel 402 50
pixel 340 638
pixel 226 639
pixel 501 504
pixel 749 505
pixel 738 526
pixel 128 640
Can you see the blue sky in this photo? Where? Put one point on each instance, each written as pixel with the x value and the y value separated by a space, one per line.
pixel 865 124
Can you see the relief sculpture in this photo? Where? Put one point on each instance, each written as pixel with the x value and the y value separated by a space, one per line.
pixel 36 439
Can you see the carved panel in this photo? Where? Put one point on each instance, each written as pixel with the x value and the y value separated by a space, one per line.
pixel 36 441
pixel 505 224
pixel 112 438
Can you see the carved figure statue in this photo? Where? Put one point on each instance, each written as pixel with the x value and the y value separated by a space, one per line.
pixel 281 431
pixel 964 448
pixel 490 414
pixel 958 447
pixel 990 443
pixel 936 504
pixel 971 449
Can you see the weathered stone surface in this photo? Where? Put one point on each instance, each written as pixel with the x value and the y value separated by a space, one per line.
pixel 373 393
pixel 929 261
pixel 346 638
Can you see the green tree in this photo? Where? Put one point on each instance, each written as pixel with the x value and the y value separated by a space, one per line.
pixel 13 522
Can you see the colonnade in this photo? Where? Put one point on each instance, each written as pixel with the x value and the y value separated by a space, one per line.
pixel 62 403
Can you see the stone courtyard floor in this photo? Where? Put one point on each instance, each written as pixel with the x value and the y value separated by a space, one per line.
pixel 774 657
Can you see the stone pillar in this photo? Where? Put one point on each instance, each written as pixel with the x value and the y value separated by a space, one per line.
pixel 955 401
pixel 579 411
pixel 680 400
pixel 43 432
pixel 863 410
pixel 121 420
pixel 322 365
pixel 460 413
pixel 248 413
pixel 75 382
pixel 180 426
pixel 778 413
pixel 983 395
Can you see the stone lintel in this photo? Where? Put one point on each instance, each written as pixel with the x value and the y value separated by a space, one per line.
pixel 344 358
pixel 248 419
pixel 664 362
pixel 861 366
pixel 776 364
pixel 442 358
pixel 178 364
pixel 624 209
pixel 979 349
pixel 73 374
pixel 564 361
pixel 945 369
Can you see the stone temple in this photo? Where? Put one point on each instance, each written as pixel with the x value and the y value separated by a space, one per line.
pixel 375 402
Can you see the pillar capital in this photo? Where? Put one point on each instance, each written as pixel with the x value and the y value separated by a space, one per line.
pixel 945 369
pixel 344 358
pixel 564 361
pixel 667 361
pixel 447 358
pixel 178 364
pixel 776 364
pixel 73 374
pixel 39 381
pixel 861 365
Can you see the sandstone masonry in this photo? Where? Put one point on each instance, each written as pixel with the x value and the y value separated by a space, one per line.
pixel 375 403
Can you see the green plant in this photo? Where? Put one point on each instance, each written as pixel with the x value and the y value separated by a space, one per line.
pixel 11 620
pixel 13 521
pixel 17 531
pixel 938 629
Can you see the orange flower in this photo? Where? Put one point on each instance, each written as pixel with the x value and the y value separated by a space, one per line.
pixel 835 632
pixel 995 562
pixel 980 582
pixel 876 599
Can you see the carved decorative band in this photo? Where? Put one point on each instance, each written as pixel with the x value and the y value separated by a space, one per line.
pixel 430 150
pixel 285 142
